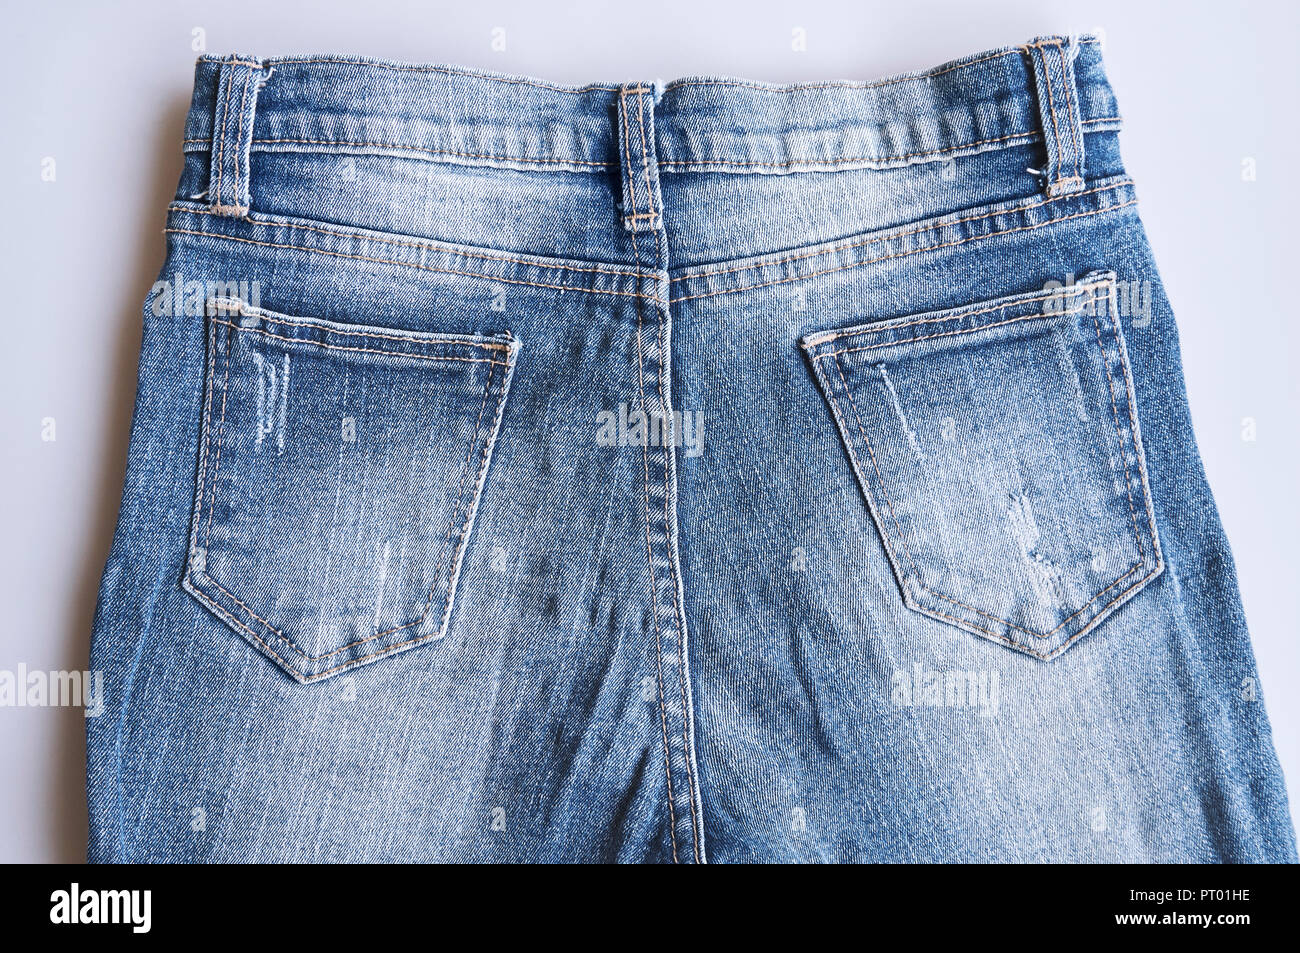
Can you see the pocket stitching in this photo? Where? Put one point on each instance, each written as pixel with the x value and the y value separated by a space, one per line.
pixel 460 497
pixel 1110 383
pixel 224 304
pixel 1127 475
pixel 362 350
pixel 221 439
pixel 889 326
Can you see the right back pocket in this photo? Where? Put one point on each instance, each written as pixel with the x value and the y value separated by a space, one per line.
pixel 339 474
pixel 998 449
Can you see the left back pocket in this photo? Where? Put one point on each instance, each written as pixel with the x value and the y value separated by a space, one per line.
pixel 339 472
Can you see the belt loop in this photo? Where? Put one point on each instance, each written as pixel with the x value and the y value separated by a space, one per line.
pixel 637 158
pixel 1059 111
pixel 239 81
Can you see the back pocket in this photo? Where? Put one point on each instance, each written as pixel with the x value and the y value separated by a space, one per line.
pixel 339 473
pixel 999 452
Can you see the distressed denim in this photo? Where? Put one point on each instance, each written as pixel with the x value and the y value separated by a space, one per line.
pixel 703 471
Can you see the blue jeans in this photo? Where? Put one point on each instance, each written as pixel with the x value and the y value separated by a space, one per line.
pixel 715 470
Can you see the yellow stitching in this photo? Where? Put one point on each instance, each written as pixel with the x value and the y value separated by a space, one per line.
pixel 1119 434
pixel 645 154
pixel 870 261
pixel 239 141
pixel 432 152
pixel 649 550
pixel 681 633
pixel 405 264
pixel 360 350
pixel 271 318
pixel 221 146
pixel 1088 627
pixel 1038 635
pixel 1066 644
pixel 903 542
pixel 1071 115
pixel 663 162
pixel 947 334
pixel 352 663
pixel 206 435
pixel 300 676
pixel 906 155
pixel 221 438
pixel 885 326
pixel 1051 103
pixel 424 246
pixel 627 159
pixel 1131 399
pixel 892 235
pixel 654 599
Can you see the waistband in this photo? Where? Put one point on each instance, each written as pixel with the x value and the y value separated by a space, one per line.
pixel 987 101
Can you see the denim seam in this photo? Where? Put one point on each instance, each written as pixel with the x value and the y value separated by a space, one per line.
pixel 849 159
pixel 915 251
pixel 1072 116
pixel 645 153
pixel 269 317
pixel 214 192
pixel 669 163
pixel 948 334
pixel 306 679
pixel 633 214
pixel 821 341
pixel 424 246
pixel 668 522
pixel 407 264
pixel 1084 630
pixel 1130 399
pixel 363 350
pixel 239 145
pixel 432 152
pixel 1119 436
pixel 884 489
pixel 221 437
pixel 1051 104
pixel 649 549
pixel 934 225
pixel 451 524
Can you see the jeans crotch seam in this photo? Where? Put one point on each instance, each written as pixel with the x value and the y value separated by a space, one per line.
pixel 649 549
pixel 674 568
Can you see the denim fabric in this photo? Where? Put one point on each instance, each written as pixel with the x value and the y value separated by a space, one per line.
pixel 703 471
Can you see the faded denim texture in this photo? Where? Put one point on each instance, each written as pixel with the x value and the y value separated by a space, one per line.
pixel 702 471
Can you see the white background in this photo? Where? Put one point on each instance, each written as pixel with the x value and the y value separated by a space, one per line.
pixel 103 89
